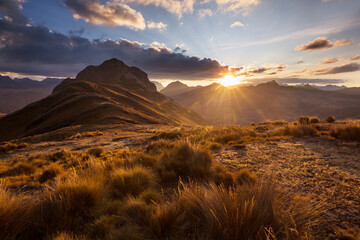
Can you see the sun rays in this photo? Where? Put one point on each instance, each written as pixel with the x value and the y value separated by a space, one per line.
pixel 229 80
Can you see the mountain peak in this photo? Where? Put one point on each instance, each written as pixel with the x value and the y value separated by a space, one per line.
pixel 115 72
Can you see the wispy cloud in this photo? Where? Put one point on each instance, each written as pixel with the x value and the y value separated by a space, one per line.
pixel 240 6
pixel 349 67
pixel 177 7
pixel 330 60
pixel 205 12
pixel 357 57
pixel 322 43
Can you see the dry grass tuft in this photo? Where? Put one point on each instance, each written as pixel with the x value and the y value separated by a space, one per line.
pixel 244 176
pixel 50 172
pixel 295 131
pixel 131 182
pixel 7 147
pixel 304 120
pixel 348 133
pixel 96 151
pixel 330 119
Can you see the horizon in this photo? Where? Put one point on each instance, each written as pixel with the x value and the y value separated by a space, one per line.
pixel 195 42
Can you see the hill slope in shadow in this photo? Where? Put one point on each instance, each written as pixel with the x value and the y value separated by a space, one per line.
pixel 110 93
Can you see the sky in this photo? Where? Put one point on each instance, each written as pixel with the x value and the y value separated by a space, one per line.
pixel 195 41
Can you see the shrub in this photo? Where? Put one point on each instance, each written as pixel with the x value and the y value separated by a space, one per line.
pixel 244 176
pixel 304 120
pixel 330 119
pixel 314 120
pixel 96 151
pixel 50 173
pixel 132 181
pixel 348 133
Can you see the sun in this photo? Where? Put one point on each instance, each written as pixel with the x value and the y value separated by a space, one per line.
pixel 229 80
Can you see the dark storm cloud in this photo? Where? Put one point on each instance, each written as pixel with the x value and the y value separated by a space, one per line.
pixel 37 50
pixel 349 67
pixel 12 10
pixel 322 43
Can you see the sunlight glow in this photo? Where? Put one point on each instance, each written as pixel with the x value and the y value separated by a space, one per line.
pixel 229 80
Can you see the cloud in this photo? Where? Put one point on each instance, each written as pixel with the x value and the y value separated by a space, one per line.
pixel 330 60
pixel 300 62
pixel 300 71
pixel 322 43
pixel 240 6
pixel 11 9
pixel 173 6
pixel 113 13
pixel 35 50
pixel 357 57
pixel 153 25
pixel 237 24
pixel 205 12
pixel 250 70
pixel 349 67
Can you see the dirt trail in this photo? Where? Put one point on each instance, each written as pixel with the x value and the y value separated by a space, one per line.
pixel 323 170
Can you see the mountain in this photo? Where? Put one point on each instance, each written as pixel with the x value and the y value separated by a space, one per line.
pixel 22 83
pixel 267 101
pixel 176 88
pixel 19 92
pixel 350 91
pixel 110 93
pixel 158 85
pixel 323 88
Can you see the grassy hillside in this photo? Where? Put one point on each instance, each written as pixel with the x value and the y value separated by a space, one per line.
pixel 273 180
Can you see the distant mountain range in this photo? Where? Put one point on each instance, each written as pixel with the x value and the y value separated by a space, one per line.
pixel 18 92
pixel 110 93
pixel 158 85
pixel 267 101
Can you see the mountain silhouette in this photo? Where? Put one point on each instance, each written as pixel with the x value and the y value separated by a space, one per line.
pixel 110 93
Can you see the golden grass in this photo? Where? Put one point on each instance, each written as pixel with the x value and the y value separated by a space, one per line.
pixel 348 133
pixel 9 146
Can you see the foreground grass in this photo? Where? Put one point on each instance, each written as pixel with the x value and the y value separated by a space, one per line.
pixel 173 190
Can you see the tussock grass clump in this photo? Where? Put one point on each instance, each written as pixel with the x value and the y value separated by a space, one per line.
pixel 159 146
pixel 304 120
pixel 144 159
pixel 87 134
pixel 21 168
pixel 184 160
pixel 60 155
pixel 244 176
pixel 171 135
pixel 347 234
pixel 71 204
pixel 214 146
pixel 96 151
pixel 7 147
pixel 347 133
pixel 295 131
pixel 215 212
pixel 330 119
pixel 67 236
pixel 50 172
pixel 314 120
pixel 13 211
pixel 234 135
pixel 132 182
